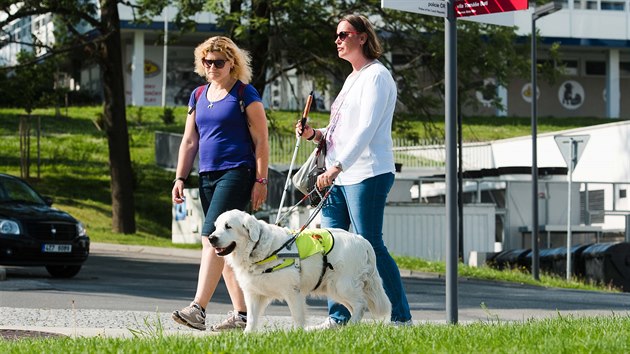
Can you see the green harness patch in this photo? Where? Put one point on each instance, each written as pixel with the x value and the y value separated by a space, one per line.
pixel 308 242
pixel 313 241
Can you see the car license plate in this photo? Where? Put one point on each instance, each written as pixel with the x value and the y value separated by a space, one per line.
pixel 56 248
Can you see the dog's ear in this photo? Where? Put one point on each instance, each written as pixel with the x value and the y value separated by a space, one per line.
pixel 253 227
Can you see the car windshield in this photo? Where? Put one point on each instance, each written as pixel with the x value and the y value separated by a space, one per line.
pixel 14 190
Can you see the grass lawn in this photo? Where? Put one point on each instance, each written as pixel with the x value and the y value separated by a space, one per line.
pixel 558 335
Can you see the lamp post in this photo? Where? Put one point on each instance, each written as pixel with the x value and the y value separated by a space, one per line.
pixel 540 11
pixel 165 61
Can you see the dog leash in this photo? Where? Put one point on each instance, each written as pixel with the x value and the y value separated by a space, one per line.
pixel 289 243
pixel 292 208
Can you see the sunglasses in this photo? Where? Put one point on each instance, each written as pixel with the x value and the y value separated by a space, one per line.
pixel 219 63
pixel 344 34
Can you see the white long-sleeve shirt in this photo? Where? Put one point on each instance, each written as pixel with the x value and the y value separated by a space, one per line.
pixel 361 139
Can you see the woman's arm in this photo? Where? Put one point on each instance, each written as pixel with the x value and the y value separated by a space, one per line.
pixel 257 121
pixel 186 157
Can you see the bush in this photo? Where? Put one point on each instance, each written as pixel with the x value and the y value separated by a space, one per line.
pixel 168 116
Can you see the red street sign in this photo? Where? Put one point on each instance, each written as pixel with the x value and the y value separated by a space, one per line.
pixel 465 8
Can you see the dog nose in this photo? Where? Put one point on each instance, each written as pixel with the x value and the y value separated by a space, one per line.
pixel 213 239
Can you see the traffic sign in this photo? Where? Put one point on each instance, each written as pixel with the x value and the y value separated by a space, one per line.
pixel 425 7
pixel 571 147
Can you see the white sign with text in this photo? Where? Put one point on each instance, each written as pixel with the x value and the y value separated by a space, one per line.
pixel 425 7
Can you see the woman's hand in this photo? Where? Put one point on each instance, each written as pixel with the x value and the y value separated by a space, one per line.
pixel 178 192
pixel 305 133
pixel 327 178
pixel 259 195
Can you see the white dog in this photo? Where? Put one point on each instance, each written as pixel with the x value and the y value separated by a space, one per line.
pixel 254 249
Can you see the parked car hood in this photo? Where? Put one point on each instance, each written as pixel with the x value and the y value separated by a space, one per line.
pixel 34 212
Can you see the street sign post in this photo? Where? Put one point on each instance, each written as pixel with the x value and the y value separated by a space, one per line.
pixel 450 119
pixel 571 148
pixel 446 9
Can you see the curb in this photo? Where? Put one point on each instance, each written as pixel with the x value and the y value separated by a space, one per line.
pixel 99 247
pixel 162 251
pixel 196 254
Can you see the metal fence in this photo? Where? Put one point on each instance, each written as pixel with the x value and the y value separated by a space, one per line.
pixel 410 153
pixel 424 153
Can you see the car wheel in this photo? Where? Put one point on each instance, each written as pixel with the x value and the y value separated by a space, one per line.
pixel 63 271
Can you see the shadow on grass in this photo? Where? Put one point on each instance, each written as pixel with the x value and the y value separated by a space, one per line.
pixel 50 123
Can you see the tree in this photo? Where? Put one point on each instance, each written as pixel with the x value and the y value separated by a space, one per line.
pixel 29 88
pixel 284 35
pixel 101 43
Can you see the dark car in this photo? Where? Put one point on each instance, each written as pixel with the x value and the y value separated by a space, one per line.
pixel 32 233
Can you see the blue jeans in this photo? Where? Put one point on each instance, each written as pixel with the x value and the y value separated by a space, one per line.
pixel 362 205
pixel 221 191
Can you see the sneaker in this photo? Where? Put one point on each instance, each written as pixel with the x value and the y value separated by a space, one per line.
pixel 192 316
pixel 402 323
pixel 329 323
pixel 233 321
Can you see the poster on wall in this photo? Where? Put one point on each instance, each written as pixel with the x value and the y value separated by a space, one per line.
pixel 571 94
pixel 487 92
pixel 526 92
pixel 180 76
pixel 152 75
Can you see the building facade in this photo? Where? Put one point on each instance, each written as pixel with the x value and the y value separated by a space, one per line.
pixel 594 36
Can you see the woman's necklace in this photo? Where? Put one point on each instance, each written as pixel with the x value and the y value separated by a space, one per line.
pixel 220 93
pixel 213 100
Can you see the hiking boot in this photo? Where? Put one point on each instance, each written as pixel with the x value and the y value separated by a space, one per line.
pixel 233 321
pixel 329 323
pixel 192 316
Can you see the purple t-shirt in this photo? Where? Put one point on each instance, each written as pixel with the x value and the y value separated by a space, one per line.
pixel 224 138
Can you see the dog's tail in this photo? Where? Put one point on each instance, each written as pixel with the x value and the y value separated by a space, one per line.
pixel 378 302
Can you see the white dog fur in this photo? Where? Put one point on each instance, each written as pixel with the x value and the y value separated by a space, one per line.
pixel 353 282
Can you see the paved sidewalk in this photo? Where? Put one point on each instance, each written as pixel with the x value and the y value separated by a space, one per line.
pixel 26 322
pixel 478 301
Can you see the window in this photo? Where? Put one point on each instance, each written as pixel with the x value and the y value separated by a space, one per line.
pixel 584 5
pixel 613 5
pixel 624 69
pixel 570 67
pixel 595 204
pixel 595 68
pixel 591 5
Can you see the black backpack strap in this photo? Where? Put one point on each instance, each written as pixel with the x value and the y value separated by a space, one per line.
pixel 241 94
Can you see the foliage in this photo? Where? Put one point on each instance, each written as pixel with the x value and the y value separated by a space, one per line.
pixel 296 36
pixel 30 85
pixel 93 29
pixel 168 115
